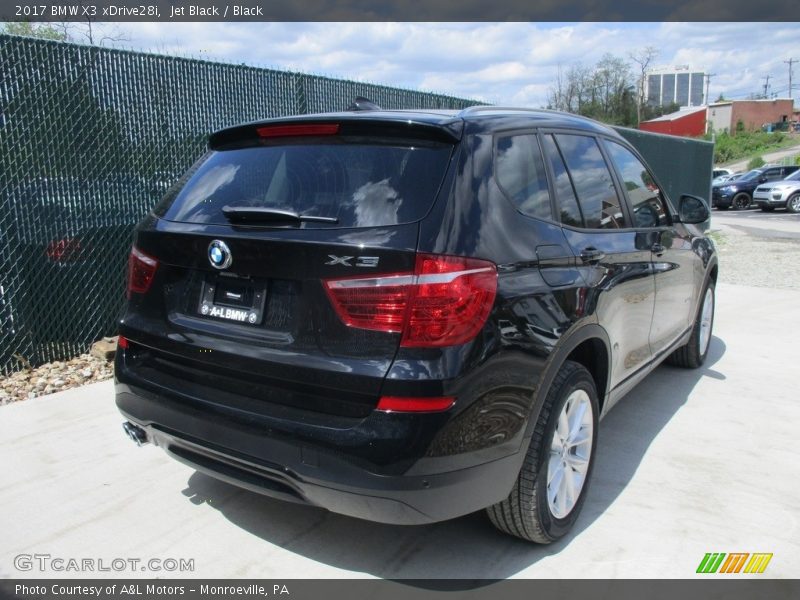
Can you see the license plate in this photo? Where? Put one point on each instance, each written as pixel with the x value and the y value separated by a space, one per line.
pixel 246 302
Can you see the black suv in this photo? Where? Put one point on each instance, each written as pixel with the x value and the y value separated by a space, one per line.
pixel 408 316
pixel 739 193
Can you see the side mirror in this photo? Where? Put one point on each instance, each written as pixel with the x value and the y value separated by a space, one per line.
pixel 762 179
pixel 692 210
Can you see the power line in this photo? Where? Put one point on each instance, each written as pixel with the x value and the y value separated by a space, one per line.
pixel 708 77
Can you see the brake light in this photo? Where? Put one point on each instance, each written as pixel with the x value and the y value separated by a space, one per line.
pixel 415 404
pixel 141 270
pixel 64 250
pixel 273 131
pixel 444 302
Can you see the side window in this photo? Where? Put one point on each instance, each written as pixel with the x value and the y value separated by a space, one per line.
pixel 646 201
pixel 772 174
pixel 568 210
pixel 593 183
pixel 519 170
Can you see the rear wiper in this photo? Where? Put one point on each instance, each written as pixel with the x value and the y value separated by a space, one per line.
pixel 256 214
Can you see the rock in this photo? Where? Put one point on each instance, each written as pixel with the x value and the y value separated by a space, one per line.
pixel 86 373
pixel 104 349
pixel 58 382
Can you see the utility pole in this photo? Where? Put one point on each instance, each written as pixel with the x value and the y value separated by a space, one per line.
pixel 708 77
pixel 790 62
pixel 766 85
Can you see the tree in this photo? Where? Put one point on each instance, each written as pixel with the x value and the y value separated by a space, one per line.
pixel 44 31
pixel 68 32
pixel 642 58
pixel 603 92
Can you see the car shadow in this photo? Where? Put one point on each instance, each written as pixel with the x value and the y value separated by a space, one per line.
pixel 468 548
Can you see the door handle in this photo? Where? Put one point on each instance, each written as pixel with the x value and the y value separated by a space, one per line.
pixel 657 249
pixel 592 256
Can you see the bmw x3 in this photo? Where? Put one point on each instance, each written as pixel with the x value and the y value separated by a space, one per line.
pixel 408 316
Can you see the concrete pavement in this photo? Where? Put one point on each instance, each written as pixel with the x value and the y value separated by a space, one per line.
pixel 690 462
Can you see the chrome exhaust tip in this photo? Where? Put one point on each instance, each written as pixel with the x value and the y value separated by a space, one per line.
pixel 136 433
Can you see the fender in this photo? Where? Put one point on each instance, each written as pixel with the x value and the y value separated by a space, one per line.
pixel 571 340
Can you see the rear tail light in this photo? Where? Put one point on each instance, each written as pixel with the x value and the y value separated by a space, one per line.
pixel 122 342
pixel 64 250
pixel 415 404
pixel 444 302
pixel 141 270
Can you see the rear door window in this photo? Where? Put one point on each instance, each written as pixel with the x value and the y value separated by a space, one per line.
pixel 567 201
pixel 359 185
pixel 593 183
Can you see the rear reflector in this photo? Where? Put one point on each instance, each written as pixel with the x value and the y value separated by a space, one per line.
pixel 122 342
pixel 415 404
pixel 273 131
pixel 141 270
pixel 444 302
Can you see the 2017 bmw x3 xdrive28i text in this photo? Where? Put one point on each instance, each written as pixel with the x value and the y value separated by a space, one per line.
pixel 407 316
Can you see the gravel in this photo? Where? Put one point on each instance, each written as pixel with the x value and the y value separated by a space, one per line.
pixel 755 258
pixel 54 377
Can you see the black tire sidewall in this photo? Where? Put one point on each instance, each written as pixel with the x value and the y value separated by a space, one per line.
pixel 735 206
pixel 556 528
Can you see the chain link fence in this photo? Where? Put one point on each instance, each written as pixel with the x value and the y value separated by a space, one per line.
pixel 90 138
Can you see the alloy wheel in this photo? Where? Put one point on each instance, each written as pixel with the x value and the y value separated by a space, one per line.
pixel 706 319
pixel 570 452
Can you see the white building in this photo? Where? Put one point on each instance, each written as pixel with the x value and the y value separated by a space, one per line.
pixel 677 84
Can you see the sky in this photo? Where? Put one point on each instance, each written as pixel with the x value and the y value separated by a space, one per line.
pixel 500 63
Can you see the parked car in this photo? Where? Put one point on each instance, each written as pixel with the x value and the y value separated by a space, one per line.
pixel 61 237
pixel 739 193
pixel 729 177
pixel 408 316
pixel 779 194
pixel 715 173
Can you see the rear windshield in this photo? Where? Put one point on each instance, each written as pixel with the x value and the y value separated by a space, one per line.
pixel 359 185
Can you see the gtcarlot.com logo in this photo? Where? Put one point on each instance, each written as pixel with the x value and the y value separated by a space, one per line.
pixel 734 562
pixel 58 564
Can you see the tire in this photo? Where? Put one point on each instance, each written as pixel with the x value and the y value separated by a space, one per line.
pixel 694 353
pixel 766 208
pixel 531 512
pixel 741 201
pixel 793 203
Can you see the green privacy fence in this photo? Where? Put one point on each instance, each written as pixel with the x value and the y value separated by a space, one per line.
pixel 682 165
pixel 90 138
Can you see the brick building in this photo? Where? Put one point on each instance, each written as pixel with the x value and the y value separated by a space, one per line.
pixel 723 116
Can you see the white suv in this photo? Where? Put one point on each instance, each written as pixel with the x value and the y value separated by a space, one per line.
pixel 779 194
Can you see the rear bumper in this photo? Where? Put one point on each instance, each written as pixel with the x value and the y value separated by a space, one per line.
pixel 297 470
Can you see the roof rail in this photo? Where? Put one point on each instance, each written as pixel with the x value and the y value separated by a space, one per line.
pixel 361 103
pixel 487 107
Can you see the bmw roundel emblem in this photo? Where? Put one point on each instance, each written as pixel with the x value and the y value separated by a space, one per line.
pixel 219 255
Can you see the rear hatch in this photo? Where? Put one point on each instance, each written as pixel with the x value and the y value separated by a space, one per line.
pixel 236 257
